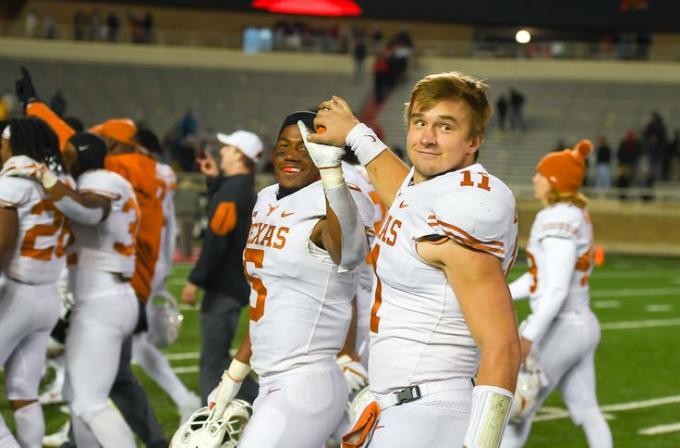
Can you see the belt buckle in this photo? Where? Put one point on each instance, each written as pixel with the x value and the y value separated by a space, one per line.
pixel 407 395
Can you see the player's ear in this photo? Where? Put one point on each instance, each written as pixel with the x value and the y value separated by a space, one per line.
pixel 474 143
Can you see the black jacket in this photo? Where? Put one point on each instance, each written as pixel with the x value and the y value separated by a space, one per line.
pixel 220 266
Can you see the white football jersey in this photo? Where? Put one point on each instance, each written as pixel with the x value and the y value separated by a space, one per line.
pixel 108 246
pixel 418 332
pixel 168 186
pixel 568 222
pixel 300 305
pixel 43 232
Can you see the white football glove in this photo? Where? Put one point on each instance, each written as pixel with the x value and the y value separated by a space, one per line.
pixel 222 395
pixel 355 374
pixel 324 156
pixel 24 166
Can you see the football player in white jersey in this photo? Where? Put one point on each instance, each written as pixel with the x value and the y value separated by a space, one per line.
pixel 442 312
pixel 144 348
pixel 307 237
pixel 561 334
pixel 104 219
pixel 32 240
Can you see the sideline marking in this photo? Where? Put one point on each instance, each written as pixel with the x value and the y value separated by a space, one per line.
pixel 630 325
pixel 660 429
pixel 606 304
pixel 555 414
pixel 658 307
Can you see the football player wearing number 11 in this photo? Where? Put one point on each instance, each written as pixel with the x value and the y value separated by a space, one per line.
pixel 32 238
pixel 308 234
pixel 442 313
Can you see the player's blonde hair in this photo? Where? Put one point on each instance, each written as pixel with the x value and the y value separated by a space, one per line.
pixel 576 198
pixel 453 85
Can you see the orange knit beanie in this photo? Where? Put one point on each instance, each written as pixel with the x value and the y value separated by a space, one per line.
pixel 566 169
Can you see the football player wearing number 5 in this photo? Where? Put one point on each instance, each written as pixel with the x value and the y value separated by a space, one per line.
pixel 104 219
pixel 307 237
pixel 441 312
pixel 33 234
pixel 561 333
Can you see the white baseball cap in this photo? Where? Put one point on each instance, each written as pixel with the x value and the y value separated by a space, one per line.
pixel 246 142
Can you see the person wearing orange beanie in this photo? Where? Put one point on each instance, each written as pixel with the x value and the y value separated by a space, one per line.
pixel 560 336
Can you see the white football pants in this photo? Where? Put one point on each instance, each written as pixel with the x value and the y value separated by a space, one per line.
pixel 567 355
pixel 438 420
pixel 27 315
pixel 104 315
pixel 297 409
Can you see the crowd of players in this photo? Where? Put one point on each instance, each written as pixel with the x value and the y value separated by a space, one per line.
pixel 404 310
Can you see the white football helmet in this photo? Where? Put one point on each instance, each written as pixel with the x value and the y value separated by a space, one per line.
pixel 530 380
pixel 164 320
pixel 201 431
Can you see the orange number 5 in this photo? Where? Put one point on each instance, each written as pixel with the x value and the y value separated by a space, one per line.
pixel 255 256
pixel 59 224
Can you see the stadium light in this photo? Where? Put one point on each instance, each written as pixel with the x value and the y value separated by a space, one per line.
pixel 523 37
pixel 310 7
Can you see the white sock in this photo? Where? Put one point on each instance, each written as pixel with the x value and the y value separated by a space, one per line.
pixel 158 368
pixel 30 425
pixel 597 430
pixel 110 429
pixel 6 438
pixel 82 433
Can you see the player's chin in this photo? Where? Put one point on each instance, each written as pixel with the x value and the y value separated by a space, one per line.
pixel 293 179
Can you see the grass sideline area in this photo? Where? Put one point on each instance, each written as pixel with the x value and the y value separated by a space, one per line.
pixel 637 300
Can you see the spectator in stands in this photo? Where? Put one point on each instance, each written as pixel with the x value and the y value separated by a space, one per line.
pixel 79 24
pixel 360 52
pixel 112 27
pixel 50 27
pixel 95 31
pixel 672 154
pixel 603 159
pixel 517 100
pixel 219 269
pixel 655 140
pixel 188 125
pixel 627 158
pixel 382 75
pixel 148 27
pixel 501 110
pixel 31 23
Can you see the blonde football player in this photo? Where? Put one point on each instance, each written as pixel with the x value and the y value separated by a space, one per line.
pixel 307 237
pixel 33 234
pixel 561 333
pixel 441 312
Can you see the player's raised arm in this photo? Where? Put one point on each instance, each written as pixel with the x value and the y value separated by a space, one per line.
pixel 385 170
pixel 342 233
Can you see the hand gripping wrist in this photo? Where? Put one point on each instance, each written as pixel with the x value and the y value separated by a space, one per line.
pixel 323 156
pixel 364 143
pixel 488 416
pixel 48 178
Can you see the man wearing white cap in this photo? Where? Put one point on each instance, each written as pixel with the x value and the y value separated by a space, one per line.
pixel 219 269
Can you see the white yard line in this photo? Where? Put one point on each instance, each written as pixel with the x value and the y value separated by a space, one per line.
pixel 632 292
pixel 598 304
pixel 634 324
pixel 182 356
pixel 660 429
pixel 555 414
pixel 184 370
pixel 658 307
pixel 636 274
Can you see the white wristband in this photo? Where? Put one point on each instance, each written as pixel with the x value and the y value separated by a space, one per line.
pixel 238 371
pixel 488 416
pixel 332 177
pixel 364 143
pixel 49 179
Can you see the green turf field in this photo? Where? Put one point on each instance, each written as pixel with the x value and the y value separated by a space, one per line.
pixel 638 303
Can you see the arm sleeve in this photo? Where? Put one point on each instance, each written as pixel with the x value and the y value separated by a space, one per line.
pixel 41 110
pixel 222 220
pixel 519 289
pixel 559 269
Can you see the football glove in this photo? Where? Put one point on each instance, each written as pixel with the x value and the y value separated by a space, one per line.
pixel 355 374
pixel 232 379
pixel 324 156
